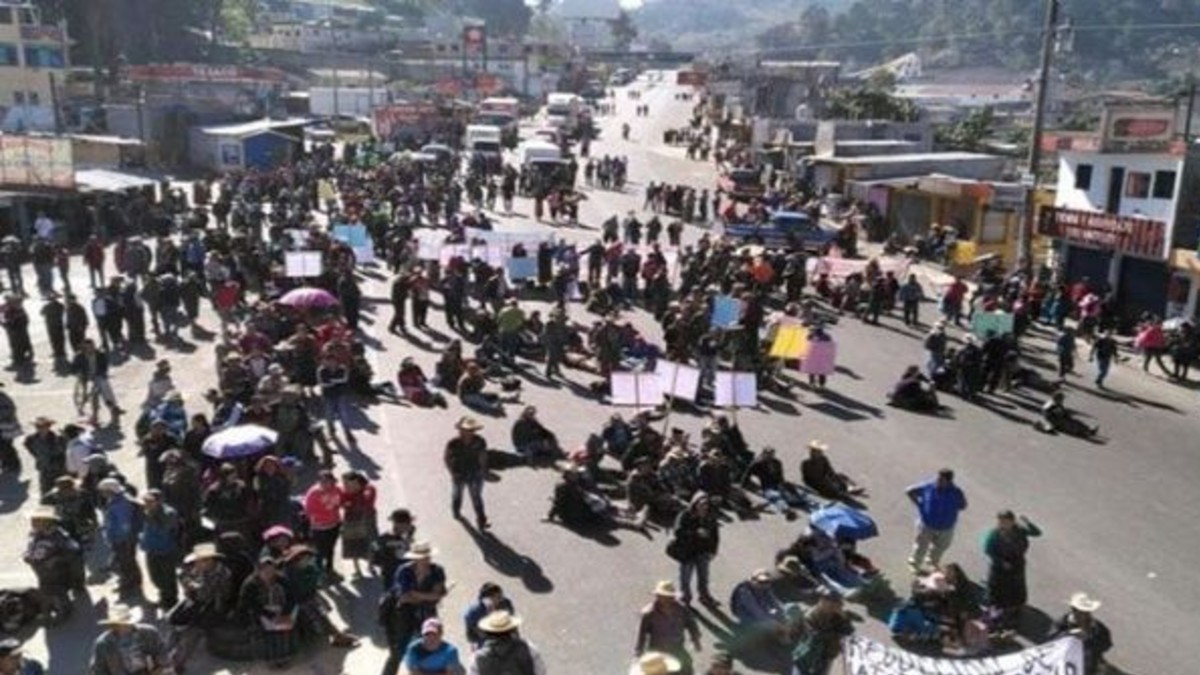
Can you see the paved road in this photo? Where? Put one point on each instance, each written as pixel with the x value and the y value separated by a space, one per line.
pixel 1117 514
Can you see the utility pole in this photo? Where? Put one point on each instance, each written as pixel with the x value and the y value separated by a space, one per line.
pixel 1025 233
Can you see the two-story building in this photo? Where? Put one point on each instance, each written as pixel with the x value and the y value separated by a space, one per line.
pixel 1126 198
pixel 33 62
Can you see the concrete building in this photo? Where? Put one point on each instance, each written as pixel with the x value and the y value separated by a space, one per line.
pixel 33 64
pixel 1127 210
pixel 322 36
pixel 835 173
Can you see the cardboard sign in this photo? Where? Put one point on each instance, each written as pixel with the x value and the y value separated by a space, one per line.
pixel 999 322
pixel 727 311
pixel 300 264
pixel 678 380
pixel 736 390
pixel 636 389
pixel 520 269
pixel 821 358
pixel 791 342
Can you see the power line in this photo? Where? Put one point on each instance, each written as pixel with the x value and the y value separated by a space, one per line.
pixel 977 35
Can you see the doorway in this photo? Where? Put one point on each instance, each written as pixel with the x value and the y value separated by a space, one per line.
pixel 1116 184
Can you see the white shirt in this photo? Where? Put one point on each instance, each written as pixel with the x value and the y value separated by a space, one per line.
pixel 44 228
pixel 78 450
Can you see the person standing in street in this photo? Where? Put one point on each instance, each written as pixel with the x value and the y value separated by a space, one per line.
pixel 466 460
pixel 322 505
pixel 91 368
pixel 1104 350
pixel 10 430
pixel 938 504
pixel 503 650
pixel 694 543
pixel 665 625
pixel 54 313
pixel 1080 622
pixel 1005 547
pixel 399 296
pixel 49 451
pixel 16 327
pixel 910 300
pixel 1065 349
pixel 160 543
pixel 333 378
pixel 120 532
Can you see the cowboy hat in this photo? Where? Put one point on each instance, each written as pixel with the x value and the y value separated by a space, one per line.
pixel 790 566
pixel 202 552
pixel 499 622
pixel 817 445
pixel 278 531
pixel 761 575
pixel 655 663
pixel 468 424
pixel 118 615
pixel 420 551
pixel 42 421
pixel 666 589
pixel 44 513
pixel 1082 602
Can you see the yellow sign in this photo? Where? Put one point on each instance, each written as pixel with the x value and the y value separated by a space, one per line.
pixel 964 252
pixel 791 342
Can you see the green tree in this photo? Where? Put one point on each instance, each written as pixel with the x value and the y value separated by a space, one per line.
pixel 503 17
pixel 871 101
pixel 968 134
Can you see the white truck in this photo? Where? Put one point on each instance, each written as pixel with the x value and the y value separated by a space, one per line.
pixel 563 111
pixel 501 112
pixel 482 143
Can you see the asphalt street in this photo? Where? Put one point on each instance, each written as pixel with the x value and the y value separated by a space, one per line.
pixel 1118 514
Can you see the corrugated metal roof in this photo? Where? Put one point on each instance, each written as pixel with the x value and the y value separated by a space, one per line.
pixel 107 180
pixel 244 129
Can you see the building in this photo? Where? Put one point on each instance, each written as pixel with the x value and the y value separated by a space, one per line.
pixel 1126 210
pixel 33 64
pixel 322 36
pixel 262 144
pixel 835 173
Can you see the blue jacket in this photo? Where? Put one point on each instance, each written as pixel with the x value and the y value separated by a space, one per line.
pixel 120 519
pixel 938 507
pixel 160 532
pixel 174 416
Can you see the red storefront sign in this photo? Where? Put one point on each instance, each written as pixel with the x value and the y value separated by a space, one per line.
pixel 1123 234
pixel 691 78
pixel 391 118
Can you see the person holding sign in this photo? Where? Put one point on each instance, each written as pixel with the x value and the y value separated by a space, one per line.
pixel 821 356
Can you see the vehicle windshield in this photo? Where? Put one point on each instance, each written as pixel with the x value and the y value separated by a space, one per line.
pixel 487 146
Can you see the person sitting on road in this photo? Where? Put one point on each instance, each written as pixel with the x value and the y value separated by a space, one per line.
pixel 532 439
pixel 471 390
pixel 762 616
pixel 644 489
pixel 767 472
pixel 818 474
pixel 414 386
pixel 577 506
pixel 914 391
pixel 1056 417
pixel 450 367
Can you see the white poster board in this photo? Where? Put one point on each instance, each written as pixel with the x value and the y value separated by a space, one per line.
pixel 302 264
pixel 736 390
pixel 636 389
pixel 678 380
pixel 864 656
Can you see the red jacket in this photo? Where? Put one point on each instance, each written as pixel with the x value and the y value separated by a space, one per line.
pixel 323 506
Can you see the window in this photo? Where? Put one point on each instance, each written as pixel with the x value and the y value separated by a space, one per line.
pixel 44 57
pixel 1137 185
pixel 6 16
pixel 1083 177
pixel 9 56
pixel 1164 184
pixel 27 17
pixel 18 98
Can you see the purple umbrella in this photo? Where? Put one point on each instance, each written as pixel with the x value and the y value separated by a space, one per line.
pixel 308 298
pixel 243 440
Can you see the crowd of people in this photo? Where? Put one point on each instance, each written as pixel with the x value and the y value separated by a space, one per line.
pixel 239 535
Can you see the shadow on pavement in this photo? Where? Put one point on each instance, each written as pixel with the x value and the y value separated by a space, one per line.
pixel 13 493
pixel 502 558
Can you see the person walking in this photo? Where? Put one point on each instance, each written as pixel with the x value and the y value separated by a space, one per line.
pixel 1065 349
pixel 694 543
pixel 1005 547
pixel 466 460
pixel 938 502
pixel 665 625
pixel 1104 350
pixel 333 378
pixel 504 650
pixel 160 542
pixel 911 296
pixel 412 599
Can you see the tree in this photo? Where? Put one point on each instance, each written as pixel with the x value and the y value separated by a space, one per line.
pixel 968 134
pixel 624 31
pixel 871 101
pixel 503 17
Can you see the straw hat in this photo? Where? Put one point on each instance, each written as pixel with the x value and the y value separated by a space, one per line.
pixel 44 513
pixel 421 550
pixel 43 421
pixel 666 589
pixel 817 445
pixel 499 622
pixel 655 663
pixel 202 552
pixel 468 424
pixel 1082 602
pixel 118 615
pixel 761 575
pixel 790 566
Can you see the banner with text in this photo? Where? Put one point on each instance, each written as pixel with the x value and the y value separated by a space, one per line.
pixel 867 657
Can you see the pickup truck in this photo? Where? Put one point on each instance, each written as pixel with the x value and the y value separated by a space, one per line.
pixel 789 230
pixel 741 184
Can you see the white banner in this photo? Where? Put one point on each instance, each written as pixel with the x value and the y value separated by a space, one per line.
pixel 867 657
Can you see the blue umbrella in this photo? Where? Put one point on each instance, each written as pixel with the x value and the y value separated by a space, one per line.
pixel 244 440
pixel 842 522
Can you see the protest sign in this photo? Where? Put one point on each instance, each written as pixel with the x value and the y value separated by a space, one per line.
pixel 791 342
pixel 520 269
pixel 821 358
pixel 736 390
pixel 678 380
pixel 356 237
pixel 726 312
pixel 1001 323
pixel 864 656
pixel 302 264
pixel 636 389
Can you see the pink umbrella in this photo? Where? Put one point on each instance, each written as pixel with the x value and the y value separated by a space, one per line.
pixel 308 298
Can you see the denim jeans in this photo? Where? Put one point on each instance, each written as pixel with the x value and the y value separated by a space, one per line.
pixel 335 409
pixel 699 567
pixel 474 487
pixel 1102 366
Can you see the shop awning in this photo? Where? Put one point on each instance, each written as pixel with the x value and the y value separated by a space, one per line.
pixel 108 180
